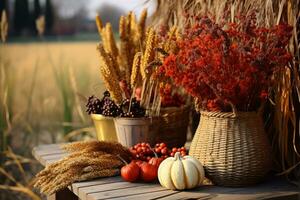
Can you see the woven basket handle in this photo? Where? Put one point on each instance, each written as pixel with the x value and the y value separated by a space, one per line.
pixel 234 110
pixel 234 113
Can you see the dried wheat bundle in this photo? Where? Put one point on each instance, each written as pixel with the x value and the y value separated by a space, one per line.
pixel 110 75
pixel 132 33
pixel 157 47
pixel 284 116
pixel 87 160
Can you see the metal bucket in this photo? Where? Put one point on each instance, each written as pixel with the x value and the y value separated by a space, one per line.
pixel 105 128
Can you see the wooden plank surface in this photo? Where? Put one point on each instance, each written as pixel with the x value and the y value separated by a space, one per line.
pixel 116 188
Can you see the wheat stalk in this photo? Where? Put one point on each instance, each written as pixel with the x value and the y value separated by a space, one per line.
pixel 3 26
pixel 148 55
pixel 40 25
pixel 135 74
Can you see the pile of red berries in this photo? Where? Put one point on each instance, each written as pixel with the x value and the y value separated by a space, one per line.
pixel 162 150
pixel 182 151
pixel 143 151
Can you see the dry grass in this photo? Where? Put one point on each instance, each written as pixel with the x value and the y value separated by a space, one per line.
pixel 40 62
pixel 38 82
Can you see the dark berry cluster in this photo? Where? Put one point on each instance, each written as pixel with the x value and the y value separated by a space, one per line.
pixel 135 110
pixel 106 106
pixel 94 105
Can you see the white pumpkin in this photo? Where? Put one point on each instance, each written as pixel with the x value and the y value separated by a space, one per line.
pixel 179 173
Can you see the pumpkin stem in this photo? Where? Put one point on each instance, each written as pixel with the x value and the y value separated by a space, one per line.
pixel 177 156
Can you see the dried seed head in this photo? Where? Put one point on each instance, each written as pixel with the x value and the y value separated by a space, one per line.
pixel 142 22
pixel 135 69
pixel 109 74
pixel 141 26
pixel 149 51
pixel 40 25
pixel 122 27
pixel 113 49
pixel 4 26
pixel 99 23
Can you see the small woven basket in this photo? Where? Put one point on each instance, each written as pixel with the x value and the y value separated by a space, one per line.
pixel 173 123
pixel 233 148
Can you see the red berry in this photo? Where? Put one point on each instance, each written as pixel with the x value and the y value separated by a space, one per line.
pixel 133 151
pixel 164 150
pixel 162 145
pixel 174 149
pixel 172 154
pixel 157 150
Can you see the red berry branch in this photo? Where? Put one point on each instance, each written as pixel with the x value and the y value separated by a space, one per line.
pixel 228 65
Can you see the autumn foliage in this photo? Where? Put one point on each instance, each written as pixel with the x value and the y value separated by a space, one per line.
pixel 228 65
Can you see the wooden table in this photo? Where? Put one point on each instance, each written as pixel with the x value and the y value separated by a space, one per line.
pixel 116 188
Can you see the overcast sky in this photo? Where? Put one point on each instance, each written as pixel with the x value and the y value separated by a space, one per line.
pixel 68 7
pixel 127 5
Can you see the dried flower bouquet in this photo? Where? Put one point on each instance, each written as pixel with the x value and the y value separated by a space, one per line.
pixel 228 65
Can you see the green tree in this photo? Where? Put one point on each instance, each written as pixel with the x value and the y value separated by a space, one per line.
pixel 49 16
pixel 21 16
pixel 37 9
pixel 3 5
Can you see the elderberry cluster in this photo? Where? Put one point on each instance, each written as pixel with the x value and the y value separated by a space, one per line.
pixel 135 110
pixel 106 106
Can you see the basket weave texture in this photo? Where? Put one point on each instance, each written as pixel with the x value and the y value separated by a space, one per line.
pixel 172 125
pixel 233 148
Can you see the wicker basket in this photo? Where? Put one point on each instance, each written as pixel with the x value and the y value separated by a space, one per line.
pixel 173 123
pixel 233 148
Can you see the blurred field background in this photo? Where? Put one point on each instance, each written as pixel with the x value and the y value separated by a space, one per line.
pixel 44 81
pixel 48 84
